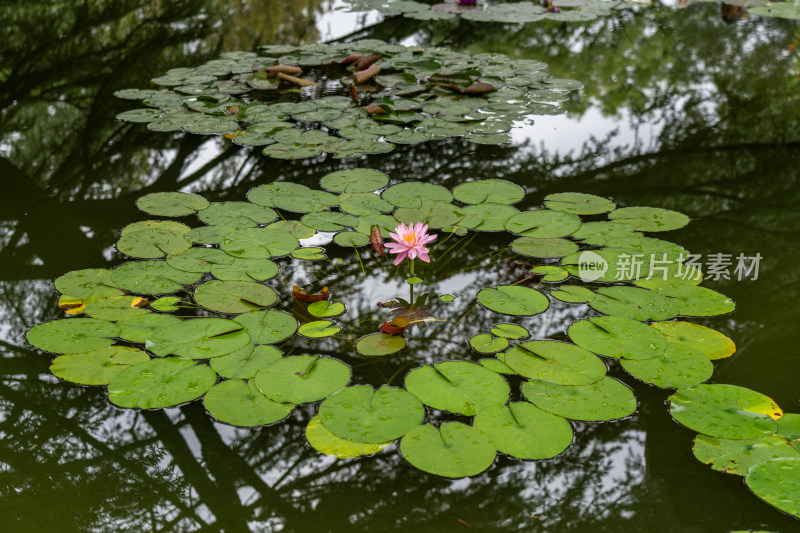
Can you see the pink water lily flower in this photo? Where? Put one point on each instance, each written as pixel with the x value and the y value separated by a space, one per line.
pixel 410 241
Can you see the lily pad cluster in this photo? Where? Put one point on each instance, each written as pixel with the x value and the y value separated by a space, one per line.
pixel 197 313
pixel 509 12
pixel 355 98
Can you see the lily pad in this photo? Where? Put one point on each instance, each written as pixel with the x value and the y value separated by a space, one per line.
pixel 435 214
pixel 578 203
pixel 556 362
pixel 237 214
pixel 489 190
pixel 325 309
pixel 543 223
pixel 486 217
pixel 457 386
pixel 414 194
pixel 538 247
pixel 551 274
pixel 318 329
pixel 152 277
pixel 96 367
pixel 573 294
pixel 309 254
pixel 171 204
pixel 351 239
pixel 737 456
pixel 258 243
pixel 364 203
pixel 453 450
pixel 234 296
pixel 485 343
pixel 509 331
pixel 115 308
pixel 650 218
pixel 615 336
pixel 73 335
pixel 198 338
pixel 325 442
pixel 362 414
pixel 223 266
pixel 608 399
pixel 775 482
pixel 160 383
pixel 696 301
pixel 269 326
pixel 523 430
pixel 329 221
pixel 633 302
pixel 380 344
pixel 245 362
pixel 88 283
pixel 514 300
pixel 302 378
pixel 678 367
pixel 239 403
pixel 710 342
pixel 725 411
pixel 140 328
pixel 354 180
pixel 153 239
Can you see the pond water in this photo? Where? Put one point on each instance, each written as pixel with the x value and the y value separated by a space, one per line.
pixel 680 109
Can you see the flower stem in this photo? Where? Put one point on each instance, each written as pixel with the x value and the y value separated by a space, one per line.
pixel 411 288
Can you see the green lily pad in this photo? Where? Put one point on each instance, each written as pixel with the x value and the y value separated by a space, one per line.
pixel 354 180
pixel 223 266
pixel 539 247
pixel 329 221
pixel 496 365
pixel 115 308
pixel 160 383
pixel 258 243
pixel 650 218
pixel 245 362
pixel 578 203
pixel 302 378
pixel 380 344
pixel 697 301
pixel 509 331
pixel 234 296
pixel 447 298
pixel 556 362
pixel 318 329
pixel 351 239
pixel 325 442
pixel 573 294
pixel 268 326
pixel 96 367
pixel 239 403
pixel 737 456
pixel 725 411
pixel 414 194
pixel 608 399
pixel 615 336
pixel 486 217
pixel 635 303
pixel 325 309
pixel 457 386
pixel 789 428
pixel 678 367
pixel 167 303
pixel 290 196
pixel 294 227
pixel 435 214
pixel 153 239
pixel 141 327
pixel 489 190
pixel 309 254
pixel 775 482
pixel 73 335
pixel 551 274
pixel 152 277
pixel 208 234
pixel 237 214
pixel 453 450
pixel 198 338
pixel 362 414
pixel 171 204
pixel 364 203
pixel 485 343
pixel 523 430
pixel 543 223
pixel 88 283
pixel 514 300
pixel 710 342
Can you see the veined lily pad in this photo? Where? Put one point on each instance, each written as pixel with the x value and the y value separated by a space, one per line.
pixel 380 344
pixel 237 214
pixel 578 203
pixel 269 326
pixel 414 194
pixel 234 296
pixel 171 204
pixel 152 277
pixel 737 456
pixel 523 430
pixel 302 378
pixel 329 221
pixel 485 343
pixel 354 180
pixel 573 294
pixel 140 328
pixel 514 300
pixel 325 442
pixel 73 335
pixel 635 303
pixel 97 367
pixel 538 247
pixel 240 403
pixel 160 383
pixel 552 274
pixel 697 301
pixel 453 450
pixel 362 414
pixel 543 223
pixel 725 411
pixel 457 386
pixel 88 283
pixel 245 362
pixel 198 338
pixel 364 203
pixel 616 336
pixel 509 331
pixel 258 243
pixel 608 399
pixel 152 239
pixel 487 216
pixel 650 218
pixel 325 309
pixel 556 362
pixel 116 307
pixel 223 266
pixel 710 342
pixel 433 213
pixel 318 329
pixel 351 239
pixel 678 367
pixel 775 482
pixel 789 429
pixel 489 190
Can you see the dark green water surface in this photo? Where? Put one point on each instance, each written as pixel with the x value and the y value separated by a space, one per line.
pixel 680 110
